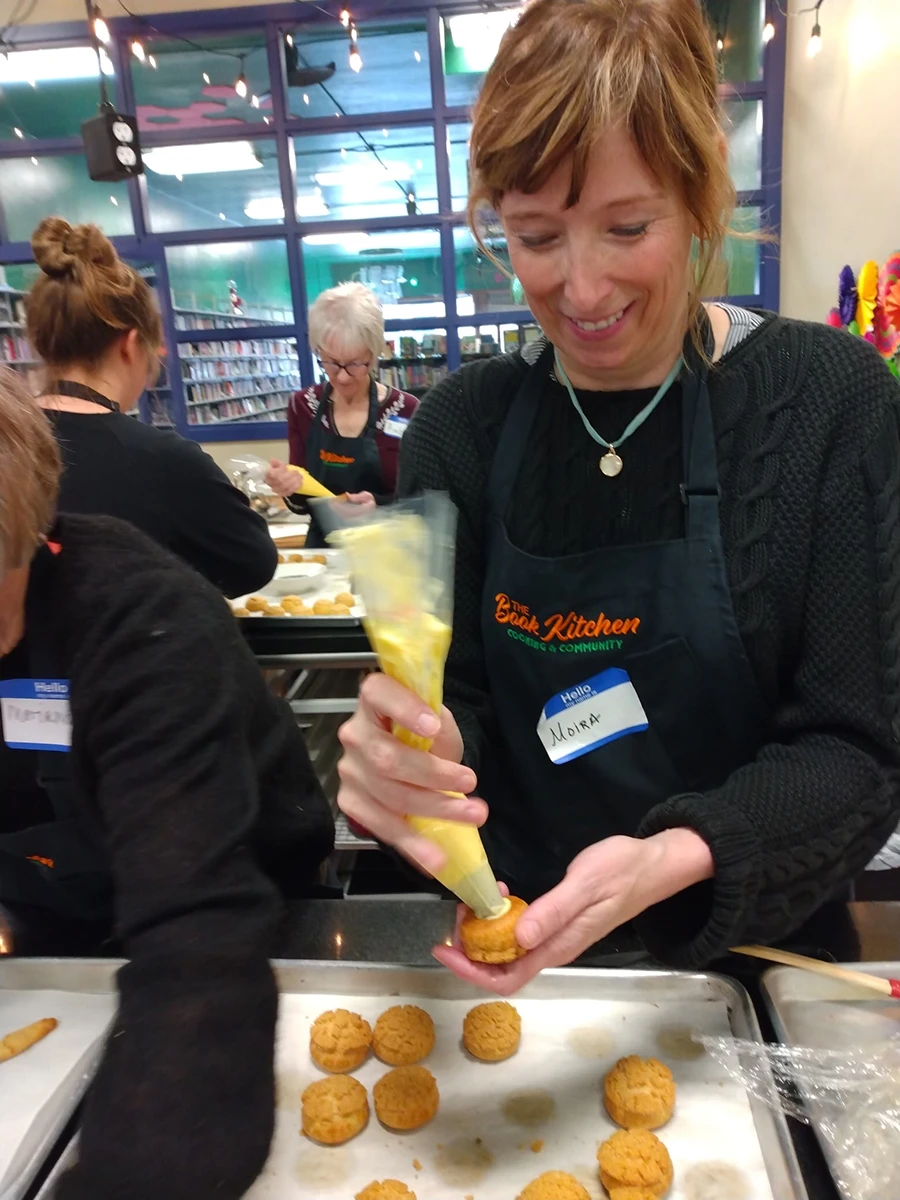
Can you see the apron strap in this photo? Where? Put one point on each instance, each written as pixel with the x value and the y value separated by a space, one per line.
pixel 515 434
pixel 700 491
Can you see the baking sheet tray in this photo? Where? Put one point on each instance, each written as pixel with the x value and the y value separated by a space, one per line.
pixel 811 1010
pixel 40 1089
pixel 575 1024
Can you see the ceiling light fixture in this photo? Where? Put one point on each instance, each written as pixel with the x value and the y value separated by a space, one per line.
pixel 345 17
pixel 137 49
pixel 814 45
pixel 99 26
pixel 205 158
pixel 368 172
pixel 51 66
pixel 768 32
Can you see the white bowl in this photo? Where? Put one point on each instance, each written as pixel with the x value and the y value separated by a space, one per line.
pixel 293 579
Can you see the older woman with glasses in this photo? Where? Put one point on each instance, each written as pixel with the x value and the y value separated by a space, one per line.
pixel 345 432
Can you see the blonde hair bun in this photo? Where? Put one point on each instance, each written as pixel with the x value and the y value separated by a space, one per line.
pixel 60 248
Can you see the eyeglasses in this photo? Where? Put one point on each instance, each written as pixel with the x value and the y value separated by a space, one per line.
pixel 353 369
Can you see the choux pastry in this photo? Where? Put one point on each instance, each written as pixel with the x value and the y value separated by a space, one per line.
pixel 554 1185
pixel 492 1031
pixel 493 940
pixel 635 1158
pixel 406 1098
pixel 339 1040
pixel 640 1093
pixel 334 1110
pixel 403 1035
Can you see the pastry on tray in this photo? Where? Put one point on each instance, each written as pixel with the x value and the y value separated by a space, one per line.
pixel 492 1031
pixel 640 1093
pixel 334 1110
pixel 635 1158
pixel 554 1185
pixel 631 1194
pixel 339 1040
pixel 493 939
pixel 406 1098
pixel 388 1189
pixel 403 1035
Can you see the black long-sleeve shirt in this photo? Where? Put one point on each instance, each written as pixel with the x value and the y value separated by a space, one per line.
pixel 167 487
pixel 807 423
pixel 204 788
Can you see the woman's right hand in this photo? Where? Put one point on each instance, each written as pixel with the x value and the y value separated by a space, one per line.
pixel 383 780
pixel 281 478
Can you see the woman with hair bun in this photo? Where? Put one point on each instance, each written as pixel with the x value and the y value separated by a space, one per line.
pixel 345 432
pixel 673 678
pixel 93 321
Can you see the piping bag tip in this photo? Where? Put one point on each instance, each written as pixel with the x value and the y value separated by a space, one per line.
pixel 479 891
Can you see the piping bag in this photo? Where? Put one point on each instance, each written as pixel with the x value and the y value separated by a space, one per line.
pixel 401 559
pixel 309 486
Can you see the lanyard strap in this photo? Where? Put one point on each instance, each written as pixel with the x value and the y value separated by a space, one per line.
pixel 79 391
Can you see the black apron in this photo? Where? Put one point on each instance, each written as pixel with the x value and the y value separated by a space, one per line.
pixel 661 612
pixel 57 870
pixel 343 464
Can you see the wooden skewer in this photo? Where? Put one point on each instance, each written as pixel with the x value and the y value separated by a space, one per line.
pixel 887 987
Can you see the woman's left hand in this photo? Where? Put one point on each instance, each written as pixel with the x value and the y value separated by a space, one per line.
pixel 364 500
pixel 606 885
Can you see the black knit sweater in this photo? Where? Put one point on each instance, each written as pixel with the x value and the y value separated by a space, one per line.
pixel 204 788
pixel 807 423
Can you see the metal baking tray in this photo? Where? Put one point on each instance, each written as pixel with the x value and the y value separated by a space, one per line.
pixel 812 1010
pixel 385 980
pixel 21 975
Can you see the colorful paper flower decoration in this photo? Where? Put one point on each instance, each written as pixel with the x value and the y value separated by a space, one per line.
pixel 885 334
pixel 892 304
pixel 889 289
pixel 847 295
pixel 867 290
pixel 834 319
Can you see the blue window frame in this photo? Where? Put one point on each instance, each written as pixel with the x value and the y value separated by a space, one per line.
pixel 315 173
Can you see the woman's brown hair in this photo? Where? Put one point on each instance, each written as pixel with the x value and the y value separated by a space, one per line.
pixel 570 70
pixel 29 472
pixel 86 297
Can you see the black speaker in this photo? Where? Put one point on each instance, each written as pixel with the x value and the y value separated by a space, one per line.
pixel 112 147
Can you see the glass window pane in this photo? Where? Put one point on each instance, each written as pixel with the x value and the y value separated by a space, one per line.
pixel 738 272
pixel 350 176
pixel 181 86
pixel 59 185
pixel 394 76
pixel 401 266
pixel 230 285
pixel 15 350
pixel 486 341
pixel 470 45
pixel 48 93
pixel 744 128
pixel 740 28
pixel 414 359
pixel 226 382
pixel 458 154
pixel 212 184
pixel 481 285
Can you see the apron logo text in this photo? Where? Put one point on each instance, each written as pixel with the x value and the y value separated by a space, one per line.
pixel 572 627
pixel 337 460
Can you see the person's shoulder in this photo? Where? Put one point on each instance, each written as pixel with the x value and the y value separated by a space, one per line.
pixel 109 564
pixel 478 395
pixel 306 401
pixel 397 403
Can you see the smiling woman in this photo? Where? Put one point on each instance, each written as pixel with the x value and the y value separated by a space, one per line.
pixel 717 484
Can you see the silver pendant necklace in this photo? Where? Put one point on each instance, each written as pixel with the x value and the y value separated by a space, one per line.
pixel 611 463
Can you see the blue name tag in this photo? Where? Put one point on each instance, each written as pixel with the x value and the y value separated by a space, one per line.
pixel 396 426
pixel 590 714
pixel 35 714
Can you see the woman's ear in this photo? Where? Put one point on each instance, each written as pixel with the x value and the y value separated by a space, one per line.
pixel 131 347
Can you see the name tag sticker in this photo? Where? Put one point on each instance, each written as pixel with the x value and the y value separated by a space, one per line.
pixel 590 714
pixel 35 714
pixel 396 426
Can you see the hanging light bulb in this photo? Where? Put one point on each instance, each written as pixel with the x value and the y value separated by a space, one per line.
pixel 720 43
pixel 289 39
pixel 356 61
pixel 137 49
pixel 34 161
pixel 205 77
pixel 814 45
pixel 345 17
pixel 100 27
pixel 768 32
pixel 152 61
pixel 240 84
pixel 254 100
